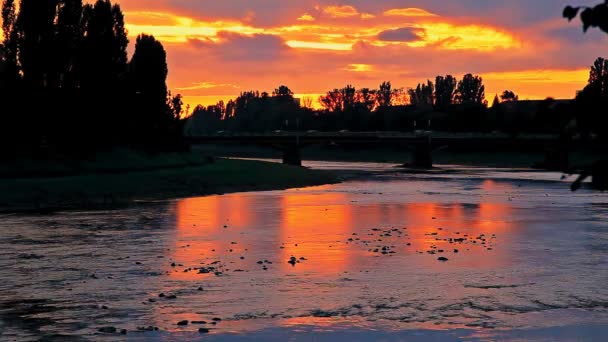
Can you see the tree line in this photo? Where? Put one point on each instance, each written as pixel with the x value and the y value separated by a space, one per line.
pixel 447 104
pixel 67 83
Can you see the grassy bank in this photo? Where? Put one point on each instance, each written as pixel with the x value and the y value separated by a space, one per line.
pixel 94 190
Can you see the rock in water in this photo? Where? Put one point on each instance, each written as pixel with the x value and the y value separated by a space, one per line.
pixel 442 259
pixel 203 330
pixel 184 322
pixel 107 330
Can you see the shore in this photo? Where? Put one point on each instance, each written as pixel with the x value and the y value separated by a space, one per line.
pixel 95 190
pixel 400 155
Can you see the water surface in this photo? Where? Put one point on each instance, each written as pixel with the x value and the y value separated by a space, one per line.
pixel 525 257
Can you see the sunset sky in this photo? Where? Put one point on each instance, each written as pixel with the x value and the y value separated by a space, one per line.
pixel 220 48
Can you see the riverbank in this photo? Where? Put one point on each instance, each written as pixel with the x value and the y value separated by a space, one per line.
pixel 116 188
pixel 400 155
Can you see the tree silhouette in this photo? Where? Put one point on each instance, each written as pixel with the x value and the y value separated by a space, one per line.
pixel 69 35
pixel 593 100
pixel 148 75
pixel 445 89
pixel 598 77
pixel 35 31
pixel 495 102
pixel 367 97
pixel 104 47
pixel 508 95
pixel 384 96
pixel 596 16
pixel 471 90
pixel 332 101
pixel 422 95
pixel 8 50
pixel 282 92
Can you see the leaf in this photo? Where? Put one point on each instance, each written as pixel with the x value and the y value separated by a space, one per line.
pixel 570 12
pixel 588 18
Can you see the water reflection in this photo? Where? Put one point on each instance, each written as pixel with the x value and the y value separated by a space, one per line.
pixel 329 232
pixel 517 259
pixel 313 227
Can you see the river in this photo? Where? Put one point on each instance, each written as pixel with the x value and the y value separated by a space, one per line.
pixel 460 253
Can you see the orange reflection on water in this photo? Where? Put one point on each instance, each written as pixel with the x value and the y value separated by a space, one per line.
pixel 317 223
pixel 199 224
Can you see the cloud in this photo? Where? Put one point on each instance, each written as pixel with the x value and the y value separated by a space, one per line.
pixel 316 45
pixel 206 85
pixel 306 17
pixel 341 11
pixel 235 47
pixel 408 12
pixel 404 34
pixel 344 11
pixel 359 67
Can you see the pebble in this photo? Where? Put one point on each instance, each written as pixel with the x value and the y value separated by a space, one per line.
pixel 442 259
pixel 184 322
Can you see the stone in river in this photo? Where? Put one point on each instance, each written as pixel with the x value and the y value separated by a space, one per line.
pixel 203 330
pixel 107 330
pixel 442 259
pixel 184 322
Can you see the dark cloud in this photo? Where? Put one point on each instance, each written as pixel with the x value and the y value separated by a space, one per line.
pixel 404 34
pixel 234 47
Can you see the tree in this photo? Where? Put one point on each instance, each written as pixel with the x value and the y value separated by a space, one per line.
pixel 68 40
pixel 307 102
pixel 103 56
pixel 148 74
pixel 366 97
pixel 332 101
pixel 509 96
pixel 422 95
pixel 10 70
pixel 384 96
pixel 445 90
pixel 596 16
pixel 593 100
pixel 283 92
pixel 176 105
pixel 598 77
pixel 35 31
pixel 471 90
pixel 593 106
pixel 495 102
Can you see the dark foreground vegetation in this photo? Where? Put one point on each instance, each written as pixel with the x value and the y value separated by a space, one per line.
pixel 68 88
pixel 181 175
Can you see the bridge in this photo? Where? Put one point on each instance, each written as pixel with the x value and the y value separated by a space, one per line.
pixel 421 144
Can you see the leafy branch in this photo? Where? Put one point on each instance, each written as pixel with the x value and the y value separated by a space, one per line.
pixel 596 16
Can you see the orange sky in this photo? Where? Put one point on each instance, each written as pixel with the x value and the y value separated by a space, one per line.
pixel 218 49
